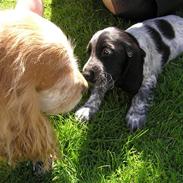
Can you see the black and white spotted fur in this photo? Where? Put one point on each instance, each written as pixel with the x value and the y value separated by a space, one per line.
pixel 132 59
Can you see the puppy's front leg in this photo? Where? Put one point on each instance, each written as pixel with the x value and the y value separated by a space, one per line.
pixel 136 115
pixel 92 105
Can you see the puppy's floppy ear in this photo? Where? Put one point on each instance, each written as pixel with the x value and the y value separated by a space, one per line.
pixel 132 74
pixel 130 51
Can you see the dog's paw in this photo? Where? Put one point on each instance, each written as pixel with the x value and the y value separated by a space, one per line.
pixel 83 114
pixel 135 121
pixel 38 168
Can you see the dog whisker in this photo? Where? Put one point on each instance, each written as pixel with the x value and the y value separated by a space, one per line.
pixel 105 80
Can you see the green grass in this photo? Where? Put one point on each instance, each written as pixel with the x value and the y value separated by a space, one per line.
pixel 103 151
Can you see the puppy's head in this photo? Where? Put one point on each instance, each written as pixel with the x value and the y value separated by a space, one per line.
pixel 114 56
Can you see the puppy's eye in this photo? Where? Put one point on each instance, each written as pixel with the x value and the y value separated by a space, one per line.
pixel 106 52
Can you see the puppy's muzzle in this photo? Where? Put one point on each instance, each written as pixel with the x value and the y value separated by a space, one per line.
pixel 89 75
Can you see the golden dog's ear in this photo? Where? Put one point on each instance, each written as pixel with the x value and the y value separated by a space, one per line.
pixel 29 135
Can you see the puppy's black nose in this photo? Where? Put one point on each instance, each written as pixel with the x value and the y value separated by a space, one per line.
pixel 89 76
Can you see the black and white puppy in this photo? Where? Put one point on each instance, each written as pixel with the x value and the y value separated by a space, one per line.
pixel 132 59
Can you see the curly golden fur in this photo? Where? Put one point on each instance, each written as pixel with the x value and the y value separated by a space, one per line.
pixel 38 73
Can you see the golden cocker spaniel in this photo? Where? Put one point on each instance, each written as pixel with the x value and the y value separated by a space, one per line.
pixel 38 74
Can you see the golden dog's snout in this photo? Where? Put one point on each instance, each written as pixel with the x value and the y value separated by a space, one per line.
pixel 84 83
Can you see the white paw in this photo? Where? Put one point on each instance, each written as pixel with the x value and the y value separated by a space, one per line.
pixel 83 114
pixel 135 121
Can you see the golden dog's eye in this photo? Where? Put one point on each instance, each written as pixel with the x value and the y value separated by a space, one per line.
pixel 106 52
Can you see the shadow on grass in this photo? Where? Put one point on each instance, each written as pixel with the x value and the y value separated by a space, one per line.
pixel 80 20
pixel 22 173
